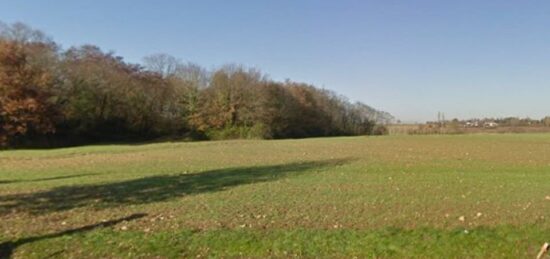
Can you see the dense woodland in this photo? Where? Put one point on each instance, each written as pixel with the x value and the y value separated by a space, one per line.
pixel 53 96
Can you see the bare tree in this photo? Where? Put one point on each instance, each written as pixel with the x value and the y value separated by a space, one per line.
pixel 23 33
pixel 164 64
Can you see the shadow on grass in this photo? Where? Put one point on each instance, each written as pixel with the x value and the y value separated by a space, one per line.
pixel 151 189
pixel 7 248
pixel 44 179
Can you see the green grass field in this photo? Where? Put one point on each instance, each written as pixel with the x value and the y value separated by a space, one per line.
pixel 467 196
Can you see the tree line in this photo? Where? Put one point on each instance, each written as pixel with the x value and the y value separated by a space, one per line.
pixel 54 96
pixel 501 122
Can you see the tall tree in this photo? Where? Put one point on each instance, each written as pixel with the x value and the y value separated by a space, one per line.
pixel 26 105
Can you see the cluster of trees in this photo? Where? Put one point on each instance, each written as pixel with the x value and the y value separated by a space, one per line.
pixel 83 94
pixel 525 122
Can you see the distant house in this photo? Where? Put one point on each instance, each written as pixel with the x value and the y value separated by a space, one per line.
pixel 472 124
pixel 490 124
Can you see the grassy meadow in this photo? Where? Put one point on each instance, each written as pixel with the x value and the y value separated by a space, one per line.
pixel 463 196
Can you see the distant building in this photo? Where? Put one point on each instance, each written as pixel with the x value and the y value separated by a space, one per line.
pixel 490 124
pixel 472 124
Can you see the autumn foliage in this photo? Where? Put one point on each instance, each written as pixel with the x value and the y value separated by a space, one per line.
pixel 25 93
pixel 83 94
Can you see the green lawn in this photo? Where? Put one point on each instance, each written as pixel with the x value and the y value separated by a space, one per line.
pixel 485 196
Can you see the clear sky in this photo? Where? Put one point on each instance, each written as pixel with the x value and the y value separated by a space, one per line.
pixel 466 58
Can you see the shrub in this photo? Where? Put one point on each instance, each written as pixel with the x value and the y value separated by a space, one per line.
pixel 379 130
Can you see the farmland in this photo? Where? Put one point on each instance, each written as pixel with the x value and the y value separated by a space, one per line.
pixel 485 196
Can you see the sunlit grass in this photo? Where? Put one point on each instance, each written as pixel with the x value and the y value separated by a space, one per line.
pixel 397 196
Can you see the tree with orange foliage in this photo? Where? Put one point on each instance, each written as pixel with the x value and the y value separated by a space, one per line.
pixel 25 106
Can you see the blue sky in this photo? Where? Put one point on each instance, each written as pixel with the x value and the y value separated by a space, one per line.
pixel 410 58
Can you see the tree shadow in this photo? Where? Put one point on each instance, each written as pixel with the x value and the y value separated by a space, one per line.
pixel 44 179
pixel 7 248
pixel 151 189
